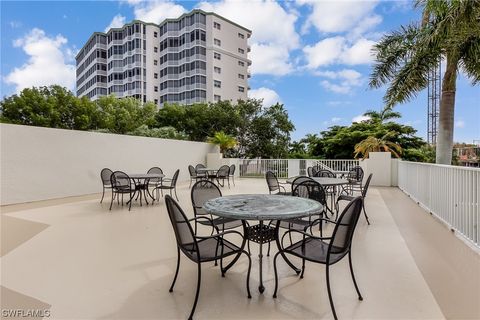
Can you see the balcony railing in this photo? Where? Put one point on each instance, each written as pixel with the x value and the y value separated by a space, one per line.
pixel 285 168
pixel 450 193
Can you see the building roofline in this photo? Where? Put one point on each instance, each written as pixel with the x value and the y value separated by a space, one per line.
pixel 88 40
pixel 163 22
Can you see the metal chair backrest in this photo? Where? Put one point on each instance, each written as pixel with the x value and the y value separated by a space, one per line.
pixel 299 180
pixel 181 226
pixel 365 187
pixel 272 181
pixel 356 174
pixel 232 170
pixel 175 178
pixel 310 171
pixel 310 189
pixel 192 171
pixel 155 170
pixel 120 180
pixel 345 227
pixel 223 171
pixel 199 166
pixel 105 175
pixel 202 191
pixel 324 173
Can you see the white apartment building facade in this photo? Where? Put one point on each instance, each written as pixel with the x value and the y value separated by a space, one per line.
pixel 199 57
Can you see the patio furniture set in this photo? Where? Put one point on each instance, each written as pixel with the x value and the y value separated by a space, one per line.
pixel 200 172
pixel 302 212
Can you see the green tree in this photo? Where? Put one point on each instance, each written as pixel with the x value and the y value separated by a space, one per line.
pixel 449 29
pixel 223 140
pixel 372 144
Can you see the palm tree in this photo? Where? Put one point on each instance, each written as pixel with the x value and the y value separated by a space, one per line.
pixel 223 140
pixel 372 144
pixel 449 29
pixel 382 116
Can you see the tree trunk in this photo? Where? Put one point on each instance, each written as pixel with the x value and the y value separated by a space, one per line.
pixel 447 110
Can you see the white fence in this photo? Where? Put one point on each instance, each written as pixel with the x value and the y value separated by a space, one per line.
pixel 285 168
pixel 450 193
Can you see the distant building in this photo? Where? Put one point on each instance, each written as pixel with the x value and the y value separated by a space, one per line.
pixel 198 57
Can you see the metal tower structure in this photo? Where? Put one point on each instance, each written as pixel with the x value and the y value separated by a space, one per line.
pixel 434 91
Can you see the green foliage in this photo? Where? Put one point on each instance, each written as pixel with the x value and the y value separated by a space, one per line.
pixel 425 153
pixel 163 132
pixel 223 140
pixel 338 142
pixel 260 132
pixel 372 144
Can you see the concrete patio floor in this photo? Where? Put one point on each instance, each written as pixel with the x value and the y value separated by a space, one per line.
pixel 81 261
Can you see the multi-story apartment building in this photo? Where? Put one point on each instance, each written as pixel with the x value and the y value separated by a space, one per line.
pixel 198 57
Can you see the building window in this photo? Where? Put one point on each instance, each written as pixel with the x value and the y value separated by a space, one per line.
pixel 155 62
pixel 217 98
pixel 155 75
pixel 217 26
pixel 241 51
pixel 155 34
pixel 217 70
pixel 241 89
pixel 217 42
pixel 217 84
pixel 155 89
pixel 155 49
pixel 217 56
pixel 155 101
pixel 241 35
pixel 241 76
pixel 241 63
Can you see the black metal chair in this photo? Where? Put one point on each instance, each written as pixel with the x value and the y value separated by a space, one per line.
pixel 326 250
pixel 305 187
pixel 324 173
pixel 231 174
pixel 222 174
pixel 105 175
pixel 201 249
pixel 346 197
pixel 310 171
pixel 355 178
pixel 194 176
pixel 274 185
pixel 154 182
pixel 169 184
pixel 202 191
pixel 122 184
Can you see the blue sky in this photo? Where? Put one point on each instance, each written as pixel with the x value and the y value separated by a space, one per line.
pixel 313 56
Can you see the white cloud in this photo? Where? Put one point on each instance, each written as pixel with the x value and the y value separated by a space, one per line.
pixel 117 22
pixel 273 32
pixel 339 16
pixel 332 121
pixel 345 80
pixel 15 24
pixel 269 96
pixel 360 118
pixel 459 124
pixel 156 10
pixel 49 62
pixel 338 50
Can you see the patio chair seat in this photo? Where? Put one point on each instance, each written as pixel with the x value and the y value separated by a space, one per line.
pixel 222 223
pixel 210 249
pixel 314 250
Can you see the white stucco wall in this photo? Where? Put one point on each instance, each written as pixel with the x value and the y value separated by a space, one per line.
pixel 44 163
pixel 378 163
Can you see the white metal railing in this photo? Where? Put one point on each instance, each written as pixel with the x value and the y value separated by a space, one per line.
pixel 285 168
pixel 451 193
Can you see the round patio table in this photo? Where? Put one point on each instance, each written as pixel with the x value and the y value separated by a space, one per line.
pixel 262 207
pixel 141 187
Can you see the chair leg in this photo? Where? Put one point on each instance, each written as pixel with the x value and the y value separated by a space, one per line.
pixel 303 268
pixel 175 189
pixel 176 271
pixel 268 251
pixel 130 204
pixel 365 213
pixel 353 276
pixel 233 180
pixel 103 193
pixel 330 293
pixel 198 291
pixel 276 273
pixel 111 202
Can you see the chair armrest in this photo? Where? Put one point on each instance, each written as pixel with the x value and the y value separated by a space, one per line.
pixel 305 234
